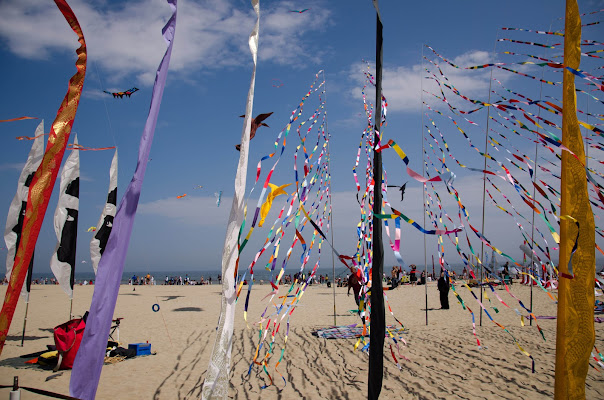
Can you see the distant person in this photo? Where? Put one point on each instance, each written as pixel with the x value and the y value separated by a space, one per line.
pixel 412 275
pixel 354 282
pixel 394 277
pixel 443 288
pixel 506 274
pixel 465 273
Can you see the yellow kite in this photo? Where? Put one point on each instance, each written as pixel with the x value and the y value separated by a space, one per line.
pixel 266 207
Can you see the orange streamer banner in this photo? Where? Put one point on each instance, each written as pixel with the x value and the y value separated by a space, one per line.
pixel 44 179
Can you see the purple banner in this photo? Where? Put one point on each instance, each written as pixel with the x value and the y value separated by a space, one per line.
pixel 89 361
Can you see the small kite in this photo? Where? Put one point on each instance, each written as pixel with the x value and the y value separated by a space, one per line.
pixel 29 137
pixel 91 229
pixel 256 123
pixel 401 188
pixel 83 261
pixel 181 196
pixel 277 83
pixel 218 197
pixel 266 207
pixel 17 119
pixel 121 95
pixel 197 187
pixel 299 11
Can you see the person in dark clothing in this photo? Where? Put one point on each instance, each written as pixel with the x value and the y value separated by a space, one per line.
pixel 355 284
pixel 443 288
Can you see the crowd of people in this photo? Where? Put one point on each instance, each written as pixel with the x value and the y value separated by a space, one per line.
pixel 179 280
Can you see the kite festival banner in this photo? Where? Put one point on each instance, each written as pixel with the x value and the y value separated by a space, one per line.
pixel 105 224
pixel 45 176
pixel 16 211
pixel 63 259
pixel 89 360
pixel 575 325
pixel 216 384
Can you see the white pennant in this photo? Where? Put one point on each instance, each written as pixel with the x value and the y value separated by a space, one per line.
pixel 17 206
pixel 216 383
pixel 66 206
pixel 103 227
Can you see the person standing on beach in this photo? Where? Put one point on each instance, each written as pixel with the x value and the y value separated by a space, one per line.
pixel 354 282
pixel 412 275
pixel 443 288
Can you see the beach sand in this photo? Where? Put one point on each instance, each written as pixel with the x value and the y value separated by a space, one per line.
pixel 444 359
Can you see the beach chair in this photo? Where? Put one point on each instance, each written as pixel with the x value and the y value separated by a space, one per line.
pixel 115 330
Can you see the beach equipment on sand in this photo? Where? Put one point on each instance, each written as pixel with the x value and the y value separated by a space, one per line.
pixel 68 337
pixel 15 393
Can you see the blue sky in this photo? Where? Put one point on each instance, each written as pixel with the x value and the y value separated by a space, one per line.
pixel 198 125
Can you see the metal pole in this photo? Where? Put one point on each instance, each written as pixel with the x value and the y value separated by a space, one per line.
pixel 424 187
pixel 333 261
pixel 378 323
pixel 25 321
pixel 484 182
pixel 534 196
pixel 15 394
pixel 30 271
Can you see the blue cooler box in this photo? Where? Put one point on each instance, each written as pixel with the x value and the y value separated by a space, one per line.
pixel 142 349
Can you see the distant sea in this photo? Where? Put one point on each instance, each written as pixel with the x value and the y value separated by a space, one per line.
pixel 260 274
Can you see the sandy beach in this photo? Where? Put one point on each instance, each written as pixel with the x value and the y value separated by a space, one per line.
pixel 444 361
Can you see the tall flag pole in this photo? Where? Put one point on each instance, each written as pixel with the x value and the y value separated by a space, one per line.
pixel 216 383
pixel 63 259
pixel 88 363
pixel 105 224
pixel 575 335
pixel 378 318
pixel 45 176
pixel 16 214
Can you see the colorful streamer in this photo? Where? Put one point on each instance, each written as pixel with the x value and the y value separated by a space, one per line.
pixel 45 176
pixel 88 363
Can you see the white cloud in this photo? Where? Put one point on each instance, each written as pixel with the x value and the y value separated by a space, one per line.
pixel 124 40
pixel 403 85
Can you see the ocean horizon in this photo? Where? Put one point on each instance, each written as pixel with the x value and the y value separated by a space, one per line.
pixel 260 274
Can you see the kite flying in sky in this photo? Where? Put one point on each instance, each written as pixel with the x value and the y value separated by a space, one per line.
pixel 256 123
pixel 401 188
pixel 299 11
pixel 91 229
pixel 121 95
pixel 181 196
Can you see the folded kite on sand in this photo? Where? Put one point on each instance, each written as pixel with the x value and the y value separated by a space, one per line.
pixel 349 332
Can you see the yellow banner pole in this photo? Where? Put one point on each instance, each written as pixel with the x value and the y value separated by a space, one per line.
pixel 575 325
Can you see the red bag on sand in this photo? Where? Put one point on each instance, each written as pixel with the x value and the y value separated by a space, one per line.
pixel 67 340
